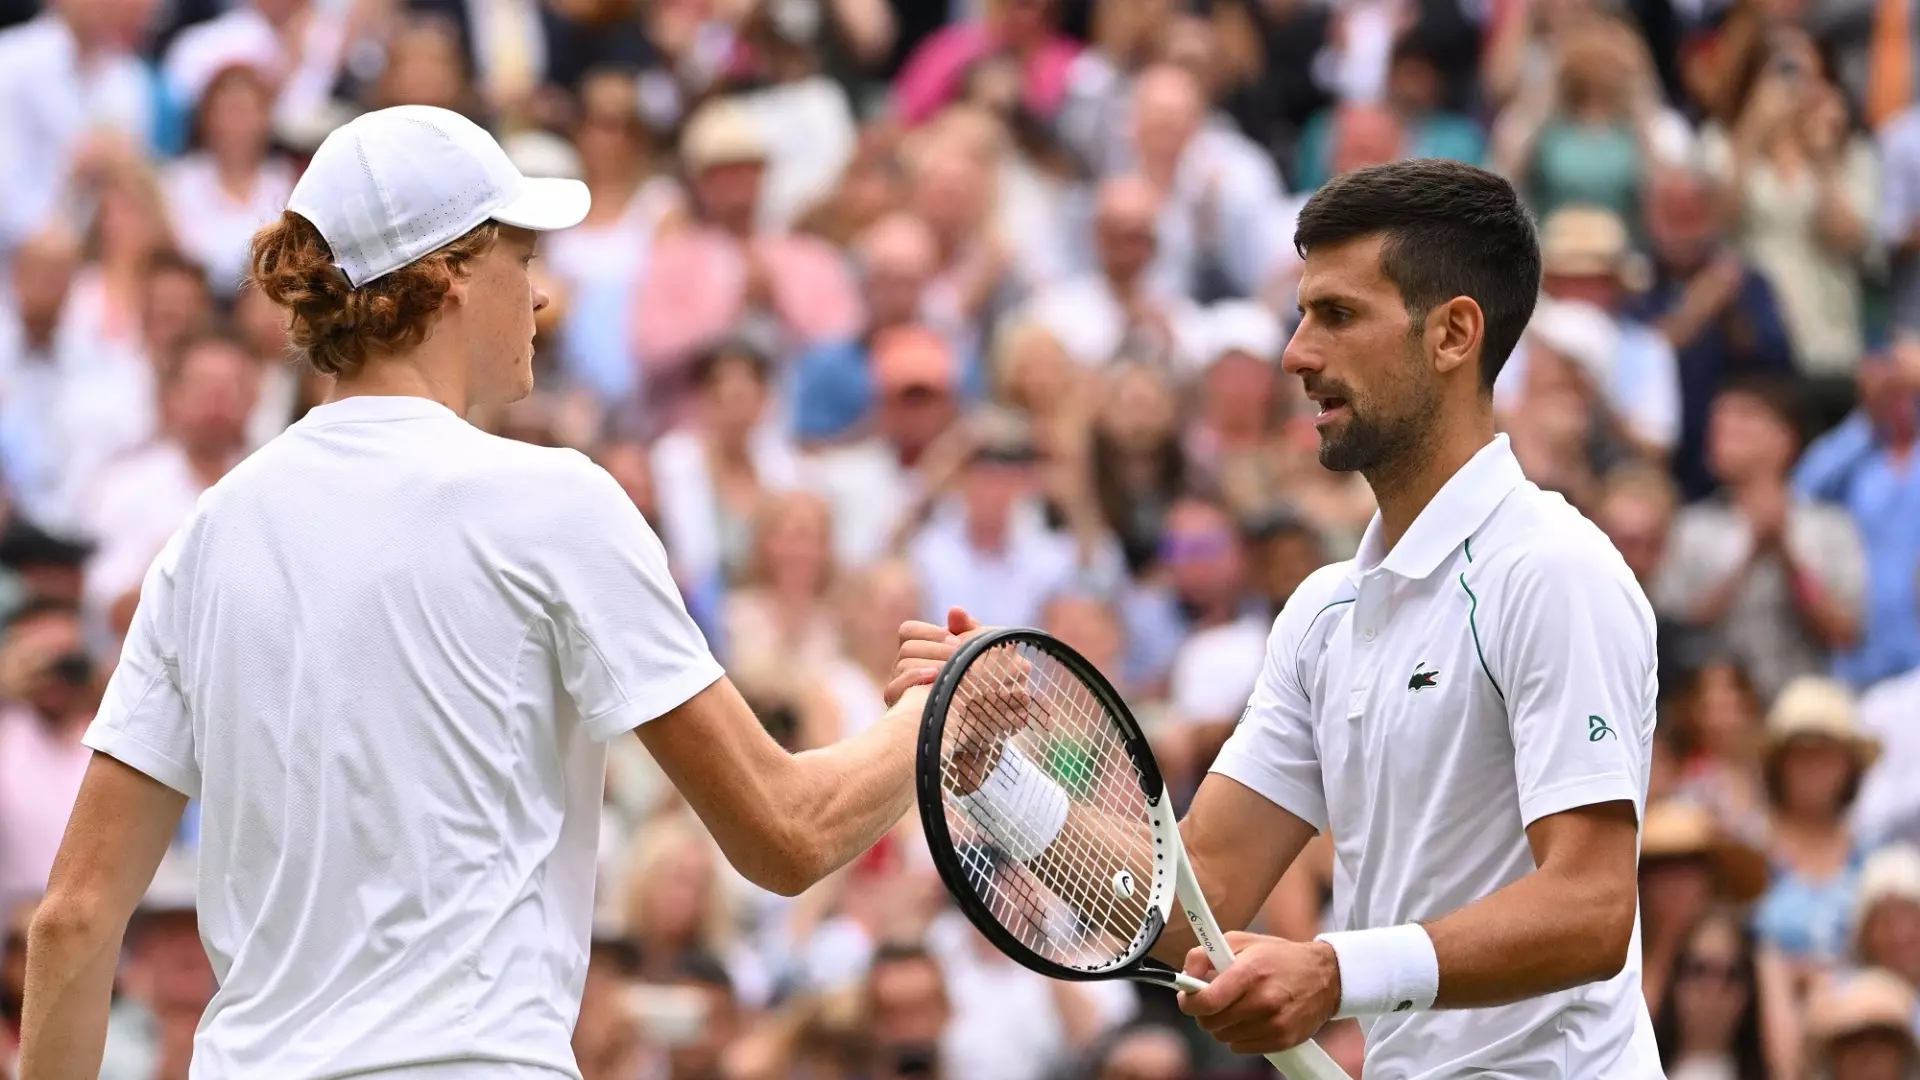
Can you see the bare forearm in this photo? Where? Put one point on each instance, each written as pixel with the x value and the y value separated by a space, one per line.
pixel 1543 933
pixel 849 794
pixel 70 967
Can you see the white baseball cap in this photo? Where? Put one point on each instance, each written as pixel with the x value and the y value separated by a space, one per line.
pixel 390 187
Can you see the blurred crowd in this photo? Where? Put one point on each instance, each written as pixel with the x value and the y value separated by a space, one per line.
pixel 886 306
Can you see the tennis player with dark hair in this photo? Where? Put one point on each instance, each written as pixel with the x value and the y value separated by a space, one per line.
pixel 385 654
pixel 1466 706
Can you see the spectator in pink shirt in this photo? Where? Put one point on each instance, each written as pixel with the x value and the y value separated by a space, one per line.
pixel 724 275
pixel 46 677
pixel 1023 31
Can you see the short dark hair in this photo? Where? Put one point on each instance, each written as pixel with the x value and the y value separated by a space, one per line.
pixel 39 607
pixel 698 968
pixel 1782 395
pixel 1451 230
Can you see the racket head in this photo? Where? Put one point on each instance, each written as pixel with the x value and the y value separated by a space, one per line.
pixel 1006 900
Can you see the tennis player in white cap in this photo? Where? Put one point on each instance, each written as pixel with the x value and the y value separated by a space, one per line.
pixel 385 653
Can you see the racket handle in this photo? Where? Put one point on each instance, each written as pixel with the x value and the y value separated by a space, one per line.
pixel 1304 1062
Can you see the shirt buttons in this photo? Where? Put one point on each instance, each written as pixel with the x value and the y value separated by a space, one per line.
pixel 1372 633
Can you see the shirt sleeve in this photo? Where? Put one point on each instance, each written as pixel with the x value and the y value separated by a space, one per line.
pixel 1273 750
pixel 626 648
pixel 143 720
pixel 1572 653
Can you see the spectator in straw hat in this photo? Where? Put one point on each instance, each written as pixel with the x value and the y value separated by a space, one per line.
pixel 1687 864
pixel 1886 924
pixel 1812 762
pixel 1862 1029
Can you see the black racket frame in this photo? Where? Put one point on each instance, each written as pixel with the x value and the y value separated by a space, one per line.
pixel 933 819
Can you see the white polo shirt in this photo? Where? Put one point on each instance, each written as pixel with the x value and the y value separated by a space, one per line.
pixel 1424 706
pixel 385 653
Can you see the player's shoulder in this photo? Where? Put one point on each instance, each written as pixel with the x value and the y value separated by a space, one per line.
pixel 1317 599
pixel 1537 542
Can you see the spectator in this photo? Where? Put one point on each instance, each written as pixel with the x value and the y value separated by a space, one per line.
pixel 702 982
pixel 230 184
pixel 107 309
pixel 49 691
pixel 1216 190
pixel 1414 115
pixel 1565 429
pixel 833 382
pixel 872 483
pixel 36 361
pixel 986 547
pixel 910 1013
pixel 1586 257
pixel 1635 507
pixel 1139 466
pixel 953 184
pixel 600 261
pixel 1712 1012
pixel 1589 140
pixel 723 274
pixel 47 567
pixel 1805 189
pixel 1814 758
pixel 1717 733
pixel 1024 31
pixel 1033 373
pixel 426 65
pixel 1715 310
pixel 712 471
pixel 607 1042
pixel 676 909
pixel 75 104
pixel 139 500
pixel 1119 310
pixel 1146 1053
pixel 1862 1029
pixel 1886 921
pixel 1865 466
pixel 779 615
pixel 873 602
pixel 1233 432
pixel 279 383
pixel 1222 644
pixel 1688 863
pixel 1777 578
pixel 298 48
pixel 1282 551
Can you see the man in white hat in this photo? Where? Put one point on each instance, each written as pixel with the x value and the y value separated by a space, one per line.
pixel 386 653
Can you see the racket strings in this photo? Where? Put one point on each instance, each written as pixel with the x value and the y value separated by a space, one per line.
pixel 1084 900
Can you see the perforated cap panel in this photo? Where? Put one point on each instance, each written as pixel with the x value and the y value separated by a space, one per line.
pixel 392 186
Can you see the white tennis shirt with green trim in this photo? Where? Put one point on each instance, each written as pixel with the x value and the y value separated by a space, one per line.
pixel 1424 706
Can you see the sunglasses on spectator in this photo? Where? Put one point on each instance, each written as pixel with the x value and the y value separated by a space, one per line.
pixel 1188 547
pixel 1709 969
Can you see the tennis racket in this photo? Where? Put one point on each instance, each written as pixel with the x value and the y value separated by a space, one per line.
pixel 1047 817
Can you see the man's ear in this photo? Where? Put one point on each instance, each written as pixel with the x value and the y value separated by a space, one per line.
pixel 1454 333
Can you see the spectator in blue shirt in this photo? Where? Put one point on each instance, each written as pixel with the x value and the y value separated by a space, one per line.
pixel 832 383
pixel 1868 465
pixel 1716 311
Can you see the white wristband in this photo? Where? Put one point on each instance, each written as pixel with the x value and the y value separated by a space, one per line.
pixel 1023 806
pixel 1386 970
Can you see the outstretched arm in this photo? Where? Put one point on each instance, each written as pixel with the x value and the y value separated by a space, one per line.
pixel 788 820
pixel 120 828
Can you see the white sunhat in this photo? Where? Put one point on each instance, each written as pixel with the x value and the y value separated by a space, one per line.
pixel 388 188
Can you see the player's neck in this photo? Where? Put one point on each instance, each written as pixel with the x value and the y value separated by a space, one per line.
pixel 420 372
pixel 1402 492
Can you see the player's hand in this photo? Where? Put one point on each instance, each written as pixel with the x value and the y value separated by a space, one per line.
pixel 1277 994
pixel 924 647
